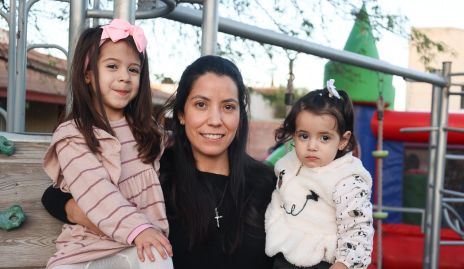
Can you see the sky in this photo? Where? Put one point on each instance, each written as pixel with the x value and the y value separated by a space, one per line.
pixel 260 71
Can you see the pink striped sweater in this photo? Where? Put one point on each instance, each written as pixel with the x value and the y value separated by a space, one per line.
pixel 115 189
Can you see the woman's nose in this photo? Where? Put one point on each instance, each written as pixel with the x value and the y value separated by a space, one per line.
pixel 215 117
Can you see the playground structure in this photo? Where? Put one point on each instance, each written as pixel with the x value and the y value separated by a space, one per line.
pixel 211 23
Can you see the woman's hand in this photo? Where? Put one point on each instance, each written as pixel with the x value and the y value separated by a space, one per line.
pixel 152 237
pixel 75 215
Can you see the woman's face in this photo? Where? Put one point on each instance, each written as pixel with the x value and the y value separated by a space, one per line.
pixel 211 117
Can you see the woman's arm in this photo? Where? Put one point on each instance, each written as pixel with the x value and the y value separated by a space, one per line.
pixel 62 206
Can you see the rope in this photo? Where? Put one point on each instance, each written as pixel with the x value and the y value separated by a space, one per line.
pixel 6 146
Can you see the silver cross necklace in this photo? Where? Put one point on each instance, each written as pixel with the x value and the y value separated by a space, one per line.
pixel 216 212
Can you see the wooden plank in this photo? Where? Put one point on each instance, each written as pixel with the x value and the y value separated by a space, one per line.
pixel 26 152
pixel 20 182
pixel 32 244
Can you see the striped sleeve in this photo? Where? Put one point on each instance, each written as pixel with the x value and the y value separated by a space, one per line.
pixel 90 184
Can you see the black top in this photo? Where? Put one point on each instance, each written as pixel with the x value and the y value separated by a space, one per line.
pixel 250 254
pixel 211 253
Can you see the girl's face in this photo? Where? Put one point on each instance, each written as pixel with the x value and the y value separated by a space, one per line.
pixel 211 118
pixel 119 70
pixel 317 140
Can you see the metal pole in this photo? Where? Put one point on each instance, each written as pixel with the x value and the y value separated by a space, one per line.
pixel 96 6
pixel 379 169
pixel 440 172
pixel 19 109
pixel 11 67
pixel 77 23
pixel 433 141
pixel 209 27
pixel 228 26
pixel 124 9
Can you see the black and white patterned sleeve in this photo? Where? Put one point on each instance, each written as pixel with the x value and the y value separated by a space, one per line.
pixel 354 222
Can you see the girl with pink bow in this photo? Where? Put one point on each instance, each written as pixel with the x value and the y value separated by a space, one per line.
pixel 106 154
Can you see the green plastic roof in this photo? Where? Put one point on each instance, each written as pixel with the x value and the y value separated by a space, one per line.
pixel 362 85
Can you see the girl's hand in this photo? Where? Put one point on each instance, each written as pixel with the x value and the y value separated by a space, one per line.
pixel 338 265
pixel 152 237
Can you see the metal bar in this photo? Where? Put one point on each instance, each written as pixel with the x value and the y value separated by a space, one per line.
pixel 124 9
pixel 453 129
pixel 139 14
pixel 77 24
pixel 452 243
pixel 450 192
pixel 453 200
pixel 440 173
pixel 194 17
pixel 456 84
pixel 5 16
pixel 454 157
pixel 209 27
pixel 420 211
pixel 433 141
pixel 402 209
pixel 417 129
pixel 10 100
pixel 169 5
pixel 456 74
pixel 48 46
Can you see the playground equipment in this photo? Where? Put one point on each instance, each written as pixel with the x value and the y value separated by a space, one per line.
pixel 170 9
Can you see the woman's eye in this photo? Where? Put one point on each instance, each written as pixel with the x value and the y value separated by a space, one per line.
pixel 200 104
pixel 230 107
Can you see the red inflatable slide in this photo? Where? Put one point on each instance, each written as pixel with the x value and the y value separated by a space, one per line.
pixel 395 120
pixel 403 248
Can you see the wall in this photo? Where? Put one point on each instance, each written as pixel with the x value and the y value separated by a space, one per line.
pixel 418 95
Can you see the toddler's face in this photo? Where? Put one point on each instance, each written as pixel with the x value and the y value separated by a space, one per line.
pixel 317 140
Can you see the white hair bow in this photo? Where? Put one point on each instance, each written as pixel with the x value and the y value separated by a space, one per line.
pixel 331 88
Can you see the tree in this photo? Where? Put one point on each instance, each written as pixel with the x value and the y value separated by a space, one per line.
pixel 292 17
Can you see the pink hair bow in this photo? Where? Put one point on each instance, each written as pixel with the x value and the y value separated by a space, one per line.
pixel 119 29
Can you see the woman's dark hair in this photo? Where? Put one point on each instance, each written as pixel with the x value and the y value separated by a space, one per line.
pixel 320 103
pixel 189 195
pixel 138 112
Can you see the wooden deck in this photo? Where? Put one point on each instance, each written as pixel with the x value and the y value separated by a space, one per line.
pixel 22 182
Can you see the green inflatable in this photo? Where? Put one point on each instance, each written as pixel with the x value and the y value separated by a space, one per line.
pixel 278 153
pixel 362 85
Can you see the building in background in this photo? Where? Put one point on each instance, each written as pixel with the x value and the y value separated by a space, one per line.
pixel 419 95
pixel 46 89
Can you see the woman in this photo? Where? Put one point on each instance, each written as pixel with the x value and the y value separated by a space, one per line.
pixel 215 193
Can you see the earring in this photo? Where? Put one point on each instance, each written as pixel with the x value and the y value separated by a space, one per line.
pixel 182 122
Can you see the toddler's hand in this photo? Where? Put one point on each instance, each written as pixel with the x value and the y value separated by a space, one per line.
pixel 152 237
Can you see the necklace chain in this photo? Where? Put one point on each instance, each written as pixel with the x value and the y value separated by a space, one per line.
pixel 216 212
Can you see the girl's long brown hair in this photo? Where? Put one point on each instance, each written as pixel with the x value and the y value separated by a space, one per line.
pixel 139 112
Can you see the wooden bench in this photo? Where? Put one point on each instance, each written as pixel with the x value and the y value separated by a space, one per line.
pixel 22 182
